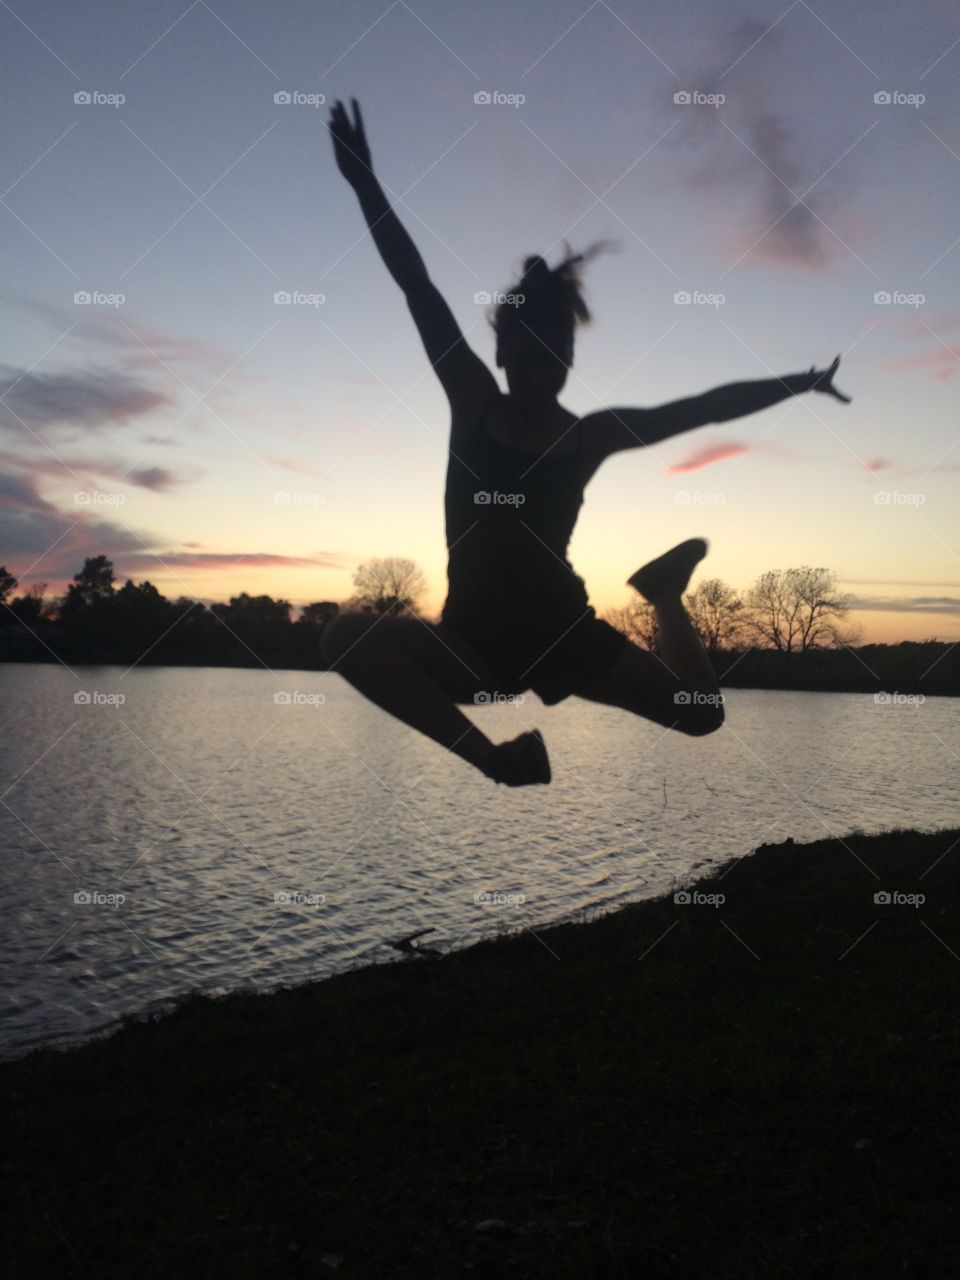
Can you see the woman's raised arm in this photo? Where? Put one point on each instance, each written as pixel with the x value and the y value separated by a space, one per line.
pixel 467 381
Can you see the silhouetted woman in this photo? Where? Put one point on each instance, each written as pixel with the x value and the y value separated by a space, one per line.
pixel 516 615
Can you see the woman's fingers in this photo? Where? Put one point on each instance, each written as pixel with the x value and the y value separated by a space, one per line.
pixel 349 132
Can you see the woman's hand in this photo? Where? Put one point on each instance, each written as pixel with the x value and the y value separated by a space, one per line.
pixel 350 143
pixel 823 381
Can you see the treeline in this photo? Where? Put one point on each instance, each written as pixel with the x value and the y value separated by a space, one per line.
pixel 789 631
pixel 97 622
pixel 926 667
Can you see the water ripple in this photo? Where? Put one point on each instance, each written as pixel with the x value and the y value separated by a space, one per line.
pixel 222 840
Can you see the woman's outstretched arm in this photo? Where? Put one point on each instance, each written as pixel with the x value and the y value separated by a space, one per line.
pixel 468 382
pixel 610 430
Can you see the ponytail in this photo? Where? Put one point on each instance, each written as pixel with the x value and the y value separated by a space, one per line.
pixel 552 297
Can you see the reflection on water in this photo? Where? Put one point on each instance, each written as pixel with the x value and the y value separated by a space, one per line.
pixel 201 835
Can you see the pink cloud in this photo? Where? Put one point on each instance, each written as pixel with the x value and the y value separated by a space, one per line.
pixel 706 455
pixel 231 559
pixel 943 361
pixel 295 464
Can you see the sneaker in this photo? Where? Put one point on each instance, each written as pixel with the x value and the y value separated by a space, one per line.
pixel 670 573
pixel 521 762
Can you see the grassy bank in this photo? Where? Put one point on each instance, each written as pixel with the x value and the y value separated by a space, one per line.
pixel 764 1087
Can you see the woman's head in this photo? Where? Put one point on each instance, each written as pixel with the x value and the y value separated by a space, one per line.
pixel 535 321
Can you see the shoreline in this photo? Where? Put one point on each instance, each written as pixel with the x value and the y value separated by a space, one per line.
pixel 421 948
pixel 765 681
pixel 706 1087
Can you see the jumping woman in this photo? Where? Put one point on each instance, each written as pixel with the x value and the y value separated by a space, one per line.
pixel 516 615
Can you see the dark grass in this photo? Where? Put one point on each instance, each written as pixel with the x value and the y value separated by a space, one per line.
pixel 670 1090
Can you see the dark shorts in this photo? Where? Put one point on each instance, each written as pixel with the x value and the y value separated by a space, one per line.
pixel 554 657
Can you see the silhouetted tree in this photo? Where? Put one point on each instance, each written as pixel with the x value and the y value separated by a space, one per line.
pixel 258 624
pixel 196 634
pixel 84 612
pixel 7 583
pixel 794 610
pixel 95 580
pixel 319 613
pixel 716 611
pixel 638 622
pixel 245 610
pixel 390 584
pixel 31 608
pixel 139 617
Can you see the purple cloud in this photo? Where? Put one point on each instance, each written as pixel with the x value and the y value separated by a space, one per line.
pixel 92 398
pixel 750 148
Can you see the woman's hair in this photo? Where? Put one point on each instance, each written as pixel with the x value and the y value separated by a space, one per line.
pixel 548 300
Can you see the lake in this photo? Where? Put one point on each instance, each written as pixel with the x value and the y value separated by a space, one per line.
pixel 169 830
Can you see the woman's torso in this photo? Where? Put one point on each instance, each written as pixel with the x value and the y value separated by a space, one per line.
pixel 510 511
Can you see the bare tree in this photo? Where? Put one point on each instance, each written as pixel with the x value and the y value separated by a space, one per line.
pixel 638 622
pixel 389 585
pixel 716 612
pixel 794 610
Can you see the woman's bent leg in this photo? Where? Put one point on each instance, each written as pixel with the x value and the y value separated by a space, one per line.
pixel 417 671
pixel 681 648
pixel 676 686
pixel 651 686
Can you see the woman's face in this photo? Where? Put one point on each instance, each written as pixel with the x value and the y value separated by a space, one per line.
pixel 536 365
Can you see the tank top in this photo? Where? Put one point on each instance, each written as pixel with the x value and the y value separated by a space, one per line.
pixel 509 520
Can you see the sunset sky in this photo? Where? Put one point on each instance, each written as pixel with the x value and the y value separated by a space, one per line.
pixel 222 442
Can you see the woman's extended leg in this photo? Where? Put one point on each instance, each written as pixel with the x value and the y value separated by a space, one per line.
pixel 678 687
pixel 419 671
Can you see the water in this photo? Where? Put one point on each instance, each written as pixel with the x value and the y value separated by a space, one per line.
pixel 200 799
